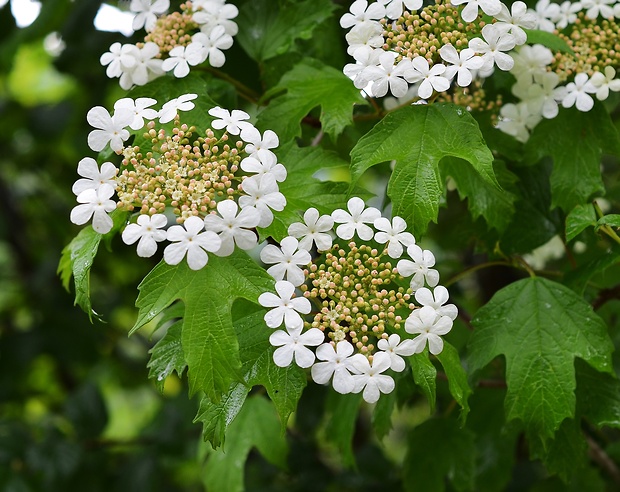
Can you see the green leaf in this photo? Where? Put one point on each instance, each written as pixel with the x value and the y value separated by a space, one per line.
pixel 578 278
pixel 274 28
pixel 167 355
pixel 541 327
pixel 576 141
pixel 598 396
pixel 579 219
pixel 342 416
pixel 77 259
pixel 457 377
pixel 310 84
pixel 382 414
pixel 438 450
pixel 417 138
pixel 425 376
pixel 210 345
pixel 256 426
pixel 611 219
pixel 483 199
pixel 549 40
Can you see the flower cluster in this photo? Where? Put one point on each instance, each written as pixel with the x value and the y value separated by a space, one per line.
pixel 359 277
pixel 174 42
pixel 219 184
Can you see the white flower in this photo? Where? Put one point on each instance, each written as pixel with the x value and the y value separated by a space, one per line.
pixel 598 7
pixel 530 62
pixel 429 326
pixel 263 194
pixel 355 221
pixel 286 308
pixel 394 234
pixel 396 349
pixel 255 142
pixel 233 122
pixel 461 63
pixel 108 129
pixel 92 178
pixel 170 109
pixel 95 204
pixel 387 75
pixel 545 13
pixel 146 68
pixel 395 8
pixel 470 12
pixel 364 36
pixel 420 267
pixel 360 12
pixel 181 57
pixel 232 228
pixel 567 14
pixel 336 362
pixel 436 300
pixel 430 78
pixel 292 344
pixel 119 59
pixel 493 47
pixel 149 231
pixel 517 120
pixel 286 260
pixel 213 44
pixel 215 13
pixel 357 72
pixel 187 239
pixel 578 93
pixel 604 82
pixel 515 20
pixel 264 162
pixel 543 97
pixel 370 378
pixel 313 230
pixel 141 110
pixel 147 12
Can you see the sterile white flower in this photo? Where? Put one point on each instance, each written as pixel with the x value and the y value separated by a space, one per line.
pixel 233 122
pixel 517 120
pixel 181 57
pixel 232 228
pixel 364 36
pixel 514 20
pixel 286 260
pixel 394 234
pixel 578 93
pixel 215 13
pixel 170 109
pixel 336 362
pixel 188 239
pixel 461 64
pixel 493 46
pixel 355 220
pixel 420 267
pixel 264 162
pixel 546 12
pixel 292 345
pixel 543 97
pixel 429 326
pixel 567 14
pixel 370 378
pixel 357 72
pixel 598 7
pixel 92 177
pixel 141 108
pixel 530 62
pixel 470 12
pixel 604 82
pixel 386 75
pixel 262 193
pixel 256 142
pixel 314 230
pixel 119 59
pixel 147 12
pixel 430 78
pixel 285 308
pixel 437 300
pixel 395 8
pixel 108 129
pixel 361 12
pixel 146 68
pixel 396 350
pixel 149 231
pixel 95 204
pixel 213 44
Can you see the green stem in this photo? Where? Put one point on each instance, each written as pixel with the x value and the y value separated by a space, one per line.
pixel 244 91
pixel 474 269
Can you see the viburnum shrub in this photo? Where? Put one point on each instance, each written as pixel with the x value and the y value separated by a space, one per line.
pixel 415 210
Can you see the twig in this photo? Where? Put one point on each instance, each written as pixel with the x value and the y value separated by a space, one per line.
pixel 602 459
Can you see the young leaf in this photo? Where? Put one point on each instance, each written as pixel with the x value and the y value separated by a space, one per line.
pixel 579 219
pixel 310 84
pixel 578 278
pixel 457 378
pixel 611 219
pixel 209 341
pixel 256 426
pixel 540 327
pixel 576 141
pixel 548 39
pixel 425 376
pixel 417 138
pixel 274 29
pixel 77 259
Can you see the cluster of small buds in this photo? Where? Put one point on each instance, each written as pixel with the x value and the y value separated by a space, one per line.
pixel 346 283
pixel 200 31
pixel 546 80
pixel 422 54
pixel 219 186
